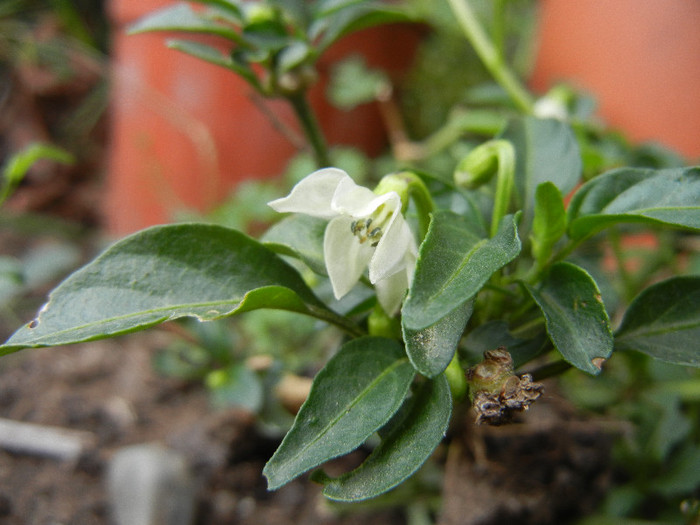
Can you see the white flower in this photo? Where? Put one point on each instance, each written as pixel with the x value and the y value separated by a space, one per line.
pixel 364 230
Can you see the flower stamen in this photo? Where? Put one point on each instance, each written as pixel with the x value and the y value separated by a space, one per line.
pixel 360 228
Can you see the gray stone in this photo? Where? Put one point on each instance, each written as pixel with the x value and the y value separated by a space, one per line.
pixel 150 484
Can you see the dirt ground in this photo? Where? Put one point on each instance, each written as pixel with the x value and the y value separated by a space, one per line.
pixel 550 468
pixel 109 390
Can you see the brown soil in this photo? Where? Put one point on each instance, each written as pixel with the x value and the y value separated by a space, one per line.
pixel 109 390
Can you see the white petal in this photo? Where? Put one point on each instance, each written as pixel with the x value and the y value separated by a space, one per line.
pixel 391 291
pixel 346 259
pixel 357 201
pixel 390 255
pixel 313 194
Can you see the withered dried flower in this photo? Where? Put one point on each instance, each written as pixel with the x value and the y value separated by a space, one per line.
pixel 497 394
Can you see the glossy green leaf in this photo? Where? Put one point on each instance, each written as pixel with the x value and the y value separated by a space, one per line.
pixel 549 223
pixel 431 349
pixel 664 322
pixel 181 17
pixel 666 196
pixel 545 150
pixel 407 442
pixel 453 264
pixel 576 320
pixel 299 236
pixel 355 394
pixel 163 273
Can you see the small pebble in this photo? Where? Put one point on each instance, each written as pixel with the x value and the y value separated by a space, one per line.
pixel 150 484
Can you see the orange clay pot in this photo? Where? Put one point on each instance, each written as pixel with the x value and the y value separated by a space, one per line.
pixel 639 58
pixel 185 132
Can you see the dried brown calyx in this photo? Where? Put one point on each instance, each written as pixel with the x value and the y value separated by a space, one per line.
pixel 498 394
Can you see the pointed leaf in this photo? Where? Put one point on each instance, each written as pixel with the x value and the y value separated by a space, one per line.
pixel 666 196
pixel 577 322
pixel 545 150
pixel 407 442
pixel 664 322
pixel 299 236
pixel 164 273
pixel 353 17
pixel 356 393
pixel 213 56
pixel 453 265
pixel 181 17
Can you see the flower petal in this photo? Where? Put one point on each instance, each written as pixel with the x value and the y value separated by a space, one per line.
pixel 313 194
pixel 391 291
pixel 390 255
pixel 358 201
pixel 346 259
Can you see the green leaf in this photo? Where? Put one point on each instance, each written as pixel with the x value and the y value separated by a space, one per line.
pixel 545 150
pixel 213 56
pixel 299 236
pixel 355 394
pixel 337 23
pixel 664 322
pixel 353 83
pixel 232 8
pixel 577 322
pixel 431 349
pixel 549 223
pixel 236 385
pixel 20 163
pixel 453 265
pixel 181 17
pixel 666 196
pixel 164 273
pixel 407 442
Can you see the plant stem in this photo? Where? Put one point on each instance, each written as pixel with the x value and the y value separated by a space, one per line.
pixel 490 56
pixel 311 128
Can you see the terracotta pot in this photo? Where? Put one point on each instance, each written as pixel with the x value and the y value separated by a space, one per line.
pixel 185 132
pixel 641 59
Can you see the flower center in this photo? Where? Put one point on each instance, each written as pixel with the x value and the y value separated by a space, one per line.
pixel 371 228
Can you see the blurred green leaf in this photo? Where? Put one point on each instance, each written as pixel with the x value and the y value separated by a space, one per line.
pixel 352 83
pixel 19 164
pixel 181 17
pixel 237 386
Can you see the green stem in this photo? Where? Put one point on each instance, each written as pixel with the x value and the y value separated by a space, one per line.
pixel 490 56
pixel 479 166
pixel 498 27
pixel 341 322
pixel 311 128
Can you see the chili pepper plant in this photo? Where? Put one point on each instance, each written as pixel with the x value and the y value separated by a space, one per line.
pixel 497 254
